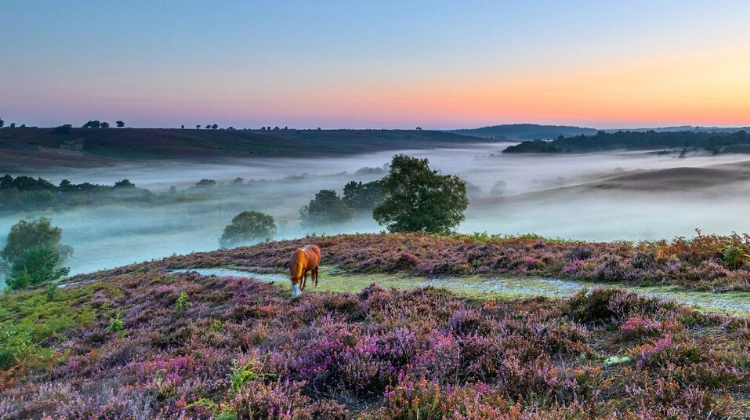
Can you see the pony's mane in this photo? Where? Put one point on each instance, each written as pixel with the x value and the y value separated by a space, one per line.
pixel 297 262
pixel 298 255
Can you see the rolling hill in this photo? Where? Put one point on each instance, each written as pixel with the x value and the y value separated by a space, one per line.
pixel 512 132
pixel 77 147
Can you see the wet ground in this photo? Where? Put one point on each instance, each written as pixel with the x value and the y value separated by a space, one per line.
pixel 496 287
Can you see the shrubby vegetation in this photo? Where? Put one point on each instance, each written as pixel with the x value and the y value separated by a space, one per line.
pixel 603 141
pixel 33 254
pixel 248 226
pixel 706 262
pixel 242 349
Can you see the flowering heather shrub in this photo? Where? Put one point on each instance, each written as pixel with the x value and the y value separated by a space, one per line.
pixel 406 261
pixel 702 262
pixel 609 269
pixel 244 350
pixel 594 306
pixel 637 328
pixel 579 253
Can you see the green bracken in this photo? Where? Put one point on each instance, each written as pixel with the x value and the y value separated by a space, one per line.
pixel 30 318
pixel 183 303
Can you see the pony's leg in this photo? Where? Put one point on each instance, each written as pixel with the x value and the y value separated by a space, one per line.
pixel 295 290
pixel 315 276
pixel 304 279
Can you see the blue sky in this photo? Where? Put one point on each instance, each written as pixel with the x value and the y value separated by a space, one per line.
pixel 389 64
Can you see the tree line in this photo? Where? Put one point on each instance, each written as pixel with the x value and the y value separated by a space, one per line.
pixel 603 141
pixel 25 193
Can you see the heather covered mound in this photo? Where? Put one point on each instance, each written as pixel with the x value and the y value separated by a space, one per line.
pixel 706 262
pixel 152 344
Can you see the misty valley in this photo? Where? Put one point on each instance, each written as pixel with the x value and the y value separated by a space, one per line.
pixel 156 209
pixel 577 286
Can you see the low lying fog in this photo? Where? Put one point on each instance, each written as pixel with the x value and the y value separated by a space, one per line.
pixel 567 196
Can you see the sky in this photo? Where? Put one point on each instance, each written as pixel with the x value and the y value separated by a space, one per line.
pixel 375 64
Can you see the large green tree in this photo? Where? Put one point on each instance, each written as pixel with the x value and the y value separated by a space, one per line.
pixel 33 254
pixel 248 226
pixel 325 209
pixel 419 199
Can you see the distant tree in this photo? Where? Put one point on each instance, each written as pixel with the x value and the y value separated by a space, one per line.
pixel 23 125
pixel 248 226
pixel 33 253
pixel 366 170
pixel 263 128
pixel 2 123
pixel 418 199
pixel 238 181
pixel 498 188
pixel 92 124
pixel 182 126
pixel 208 126
pixel 325 209
pixel 198 126
pixel 12 125
pixel 204 183
pixel 125 183
pixel 419 128
pixel 214 127
pixel 63 129
pixel 276 128
pixel 6 181
pixel 121 124
pixel 105 124
pixel 362 197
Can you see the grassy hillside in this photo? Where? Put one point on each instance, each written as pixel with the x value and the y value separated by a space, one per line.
pixel 86 146
pixel 143 342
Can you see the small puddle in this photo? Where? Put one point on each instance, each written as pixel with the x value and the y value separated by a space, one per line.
pixel 228 272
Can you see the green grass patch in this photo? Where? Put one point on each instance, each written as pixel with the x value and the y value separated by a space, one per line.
pixel 334 280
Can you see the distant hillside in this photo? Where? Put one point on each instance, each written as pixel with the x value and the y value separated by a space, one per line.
pixel 89 146
pixel 525 131
pixel 681 128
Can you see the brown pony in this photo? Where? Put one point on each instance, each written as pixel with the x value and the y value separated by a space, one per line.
pixel 303 260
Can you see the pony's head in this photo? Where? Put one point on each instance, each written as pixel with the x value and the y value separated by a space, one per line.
pixel 296 282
